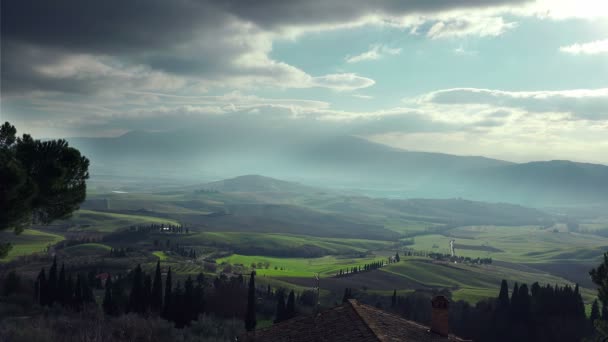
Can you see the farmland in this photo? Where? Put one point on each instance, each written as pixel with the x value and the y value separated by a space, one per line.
pixel 288 237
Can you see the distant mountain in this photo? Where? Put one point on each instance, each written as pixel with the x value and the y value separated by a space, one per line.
pixel 256 183
pixel 344 162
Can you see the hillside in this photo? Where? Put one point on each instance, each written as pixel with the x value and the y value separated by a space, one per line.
pixel 343 162
pixel 256 183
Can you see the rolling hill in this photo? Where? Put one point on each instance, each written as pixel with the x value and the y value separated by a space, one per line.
pixel 343 162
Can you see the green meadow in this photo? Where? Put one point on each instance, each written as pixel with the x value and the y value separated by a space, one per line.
pixel 326 266
pixel 101 221
pixel 29 242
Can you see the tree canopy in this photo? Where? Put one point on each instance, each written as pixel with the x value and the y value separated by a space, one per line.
pixel 40 181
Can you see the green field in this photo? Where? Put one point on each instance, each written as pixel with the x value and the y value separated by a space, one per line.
pixel 282 244
pixel 87 249
pixel 28 242
pixel 91 220
pixel 297 267
pixel 516 244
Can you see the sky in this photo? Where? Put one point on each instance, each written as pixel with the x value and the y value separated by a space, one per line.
pixel 510 79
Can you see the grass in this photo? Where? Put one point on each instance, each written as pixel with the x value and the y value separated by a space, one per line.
pixel 517 244
pixel 87 249
pixel 161 255
pixel 101 221
pixel 283 244
pixel 28 242
pixel 298 267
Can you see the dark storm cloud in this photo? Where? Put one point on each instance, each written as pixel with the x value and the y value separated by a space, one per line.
pixel 192 38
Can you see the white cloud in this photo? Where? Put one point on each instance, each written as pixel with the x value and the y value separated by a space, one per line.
pixel 591 48
pixel 589 104
pixel 342 82
pixel 375 52
pixel 476 26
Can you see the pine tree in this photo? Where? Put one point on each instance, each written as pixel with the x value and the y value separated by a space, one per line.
pixel 168 295
pixel 156 301
pixel 250 321
pixel 290 309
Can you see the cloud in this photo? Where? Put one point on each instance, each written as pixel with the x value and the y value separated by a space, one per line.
pixel 200 44
pixel 591 48
pixel 342 82
pixel 479 26
pixel 375 52
pixel 590 104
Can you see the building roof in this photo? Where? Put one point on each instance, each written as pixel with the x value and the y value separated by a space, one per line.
pixel 349 322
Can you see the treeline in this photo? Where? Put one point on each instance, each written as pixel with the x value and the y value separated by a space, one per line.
pixel 162 228
pixel 159 295
pixel 359 269
pixel 460 259
pixel 61 288
pixel 536 313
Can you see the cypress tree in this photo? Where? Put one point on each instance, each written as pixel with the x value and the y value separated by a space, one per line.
pixel 595 311
pixel 42 288
pixel 12 283
pixel 52 283
pixel 503 296
pixel 156 301
pixel 290 309
pixel 168 295
pixel 68 292
pixel 61 286
pixel 280 312
pixel 397 257
pixel 137 288
pixel 250 321
pixel 189 301
pixel 78 296
pixel 394 299
pixel 147 294
pixel 108 301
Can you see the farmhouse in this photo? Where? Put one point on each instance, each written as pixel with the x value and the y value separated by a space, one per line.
pixel 356 322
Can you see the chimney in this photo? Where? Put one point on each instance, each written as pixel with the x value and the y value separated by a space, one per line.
pixel 439 316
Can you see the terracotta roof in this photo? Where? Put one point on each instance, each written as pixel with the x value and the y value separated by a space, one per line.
pixel 349 322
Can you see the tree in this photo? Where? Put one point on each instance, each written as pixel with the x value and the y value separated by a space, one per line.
pixel 503 296
pixel 168 294
pixel 61 287
pixel 156 301
pixel 109 307
pixel 397 257
pixel 595 311
pixel 250 321
pixel 52 283
pixel 394 299
pixel 280 312
pixel 40 181
pixel 599 276
pixel 12 283
pixel 290 308
pixel 136 301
